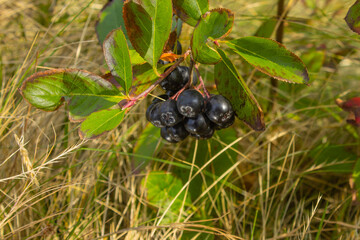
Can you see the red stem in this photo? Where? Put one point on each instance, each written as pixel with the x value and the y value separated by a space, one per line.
pixel 202 82
pixel 152 86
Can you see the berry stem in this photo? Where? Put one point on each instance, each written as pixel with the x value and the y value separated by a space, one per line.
pixel 202 81
pixel 132 101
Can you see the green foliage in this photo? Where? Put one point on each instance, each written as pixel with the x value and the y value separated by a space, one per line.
pixel 230 84
pixel 163 188
pixel 100 122
pixel 213 25
pixel 144 76
pixel 146 145
pixel 333 158
pixel 133 42
pixel 84 92
pixel 117 57
pixel 267 28
pixel 353 17
pixel 110 18
pixel 190 11
pixel 148 27
pixel 271 58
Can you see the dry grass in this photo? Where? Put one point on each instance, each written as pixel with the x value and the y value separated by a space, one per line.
pixel 55 186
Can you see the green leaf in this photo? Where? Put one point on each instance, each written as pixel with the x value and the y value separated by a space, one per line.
pixel 314 60
pixel 135 57
pixel 162 188
pixel 333 158
pixel 148 26
pixel 353 17
pixel 144 76
pixel 85 92
pixel 110 18
pixel 100 122
pixel 190 11
pixel 271 58
pixel 146 146
pixel 214 24
pixel 117 57
pixel 230 84
pixel 267 28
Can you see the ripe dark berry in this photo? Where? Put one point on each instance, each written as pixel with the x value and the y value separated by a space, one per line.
pixel 169 115
pixel 207 135
pixel 160 98
pixel 165 135
pixel 163 62
pixel 176 80
pixel 225 125
pixel 153 115
pixel 156 100
pixel 219 110
pixel 178 132
pixel 170 93
pixel 190 103
pixel 198 125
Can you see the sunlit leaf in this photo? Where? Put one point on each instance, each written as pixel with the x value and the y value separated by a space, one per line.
pixel 85 92
pixel 100 122
pixel 117 57
pixel 148 26
pixel 190 11
pixel 214 24
pixel 271 58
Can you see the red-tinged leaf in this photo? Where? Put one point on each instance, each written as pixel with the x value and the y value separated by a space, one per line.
pixel 214 24
pixel 85 92
pixel 169 47
pixel 353 17
pixel 271 58
pixel 190 11
pixel 101 122
pixel 148 26
pixel 230 84
pixel 353 107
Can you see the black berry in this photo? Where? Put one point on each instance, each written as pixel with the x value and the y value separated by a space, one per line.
pixel 190 103
pixel 165 135
pixel 153 115
pixel 178 132
pixel 199 125
pixel 206 135
pixel 163 62
pixel 219 110
pixel 160 98
pixel 169 115
pixel 225 125
pixel 176 80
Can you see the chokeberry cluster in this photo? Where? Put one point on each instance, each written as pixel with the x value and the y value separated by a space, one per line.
pixel 187 113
